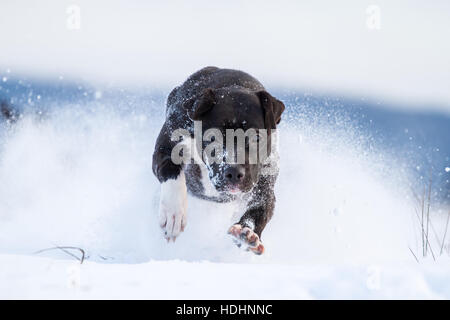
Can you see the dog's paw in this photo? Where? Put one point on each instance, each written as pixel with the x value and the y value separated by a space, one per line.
pixel 246 238
pixel 173 207
pixel 172 221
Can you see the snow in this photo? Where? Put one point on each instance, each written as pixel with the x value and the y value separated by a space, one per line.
pixel 84 179
pixel 23 277
pixel 343 226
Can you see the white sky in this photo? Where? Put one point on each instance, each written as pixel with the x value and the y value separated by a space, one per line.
pixel 317 45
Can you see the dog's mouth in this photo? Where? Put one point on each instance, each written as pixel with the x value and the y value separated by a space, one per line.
pixel 236 189
pixel 233 189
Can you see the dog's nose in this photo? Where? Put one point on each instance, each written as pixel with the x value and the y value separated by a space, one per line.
pixel 234 175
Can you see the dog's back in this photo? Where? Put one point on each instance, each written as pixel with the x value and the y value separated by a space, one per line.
pixel 211 77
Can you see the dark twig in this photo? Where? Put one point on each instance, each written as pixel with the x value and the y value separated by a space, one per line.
pixel 413 255
pixel 65 250
pixel 426 239
pixel 421 222
pixel 428 206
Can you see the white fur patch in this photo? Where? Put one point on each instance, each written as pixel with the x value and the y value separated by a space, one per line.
pixel 173 206
pixel 209 189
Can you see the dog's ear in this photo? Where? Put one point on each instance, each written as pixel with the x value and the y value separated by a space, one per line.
pixel 273 108
pixel 197 107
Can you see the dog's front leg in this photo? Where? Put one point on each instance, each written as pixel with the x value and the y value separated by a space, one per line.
pixel 173 201
pixel 173 206
pixel 247 232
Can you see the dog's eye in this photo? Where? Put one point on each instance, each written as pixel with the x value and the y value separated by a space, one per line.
pixel 213 139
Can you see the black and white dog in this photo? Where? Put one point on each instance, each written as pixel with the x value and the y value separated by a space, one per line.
pixel 219 99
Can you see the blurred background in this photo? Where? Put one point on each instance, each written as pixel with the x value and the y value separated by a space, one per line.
pixel 387 60
pixel 383 50
pixel 372 75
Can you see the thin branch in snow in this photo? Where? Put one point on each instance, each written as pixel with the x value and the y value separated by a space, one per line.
pixel 428 208
pixel 426 239
pixel 65 250
pixel 413 255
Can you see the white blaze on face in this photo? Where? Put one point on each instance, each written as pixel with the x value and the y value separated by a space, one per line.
pixel 208 188
pixel 173 206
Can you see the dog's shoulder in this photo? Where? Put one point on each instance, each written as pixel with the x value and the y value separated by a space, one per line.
pixel 214 78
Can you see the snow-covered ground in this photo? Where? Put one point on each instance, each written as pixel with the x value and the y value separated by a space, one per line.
pixel 76 170
pixel 23 277
pixel 344 225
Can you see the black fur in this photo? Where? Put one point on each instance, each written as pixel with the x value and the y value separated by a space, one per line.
pixel 222 98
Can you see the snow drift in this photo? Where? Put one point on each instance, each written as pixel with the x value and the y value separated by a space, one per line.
pixel 81 176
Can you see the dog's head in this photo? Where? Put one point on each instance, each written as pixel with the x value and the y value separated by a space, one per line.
pixel 237 126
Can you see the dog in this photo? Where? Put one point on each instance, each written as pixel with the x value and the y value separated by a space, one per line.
pixel 220 100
